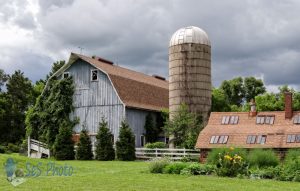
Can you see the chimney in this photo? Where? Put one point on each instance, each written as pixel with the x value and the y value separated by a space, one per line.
pixel 253 111
pixel 288 97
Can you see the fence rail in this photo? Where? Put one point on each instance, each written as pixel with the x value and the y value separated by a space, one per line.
pixel 174 154
pixel 36 148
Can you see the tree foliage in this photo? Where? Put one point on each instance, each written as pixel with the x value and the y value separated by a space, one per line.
pixel 51 109
pixel 104 146
pixel 125 146
pixel 152 131
pixel 3 78
pixel 184 126
pixel 64 145
pixel 14 102
pixel 84 147
pixel 219 101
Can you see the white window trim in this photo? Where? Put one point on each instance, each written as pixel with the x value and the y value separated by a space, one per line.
pixel 63 76
pixel 92 70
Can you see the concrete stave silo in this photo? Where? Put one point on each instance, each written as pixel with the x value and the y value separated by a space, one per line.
pixel 190 71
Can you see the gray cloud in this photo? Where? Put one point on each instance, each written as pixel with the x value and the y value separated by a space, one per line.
pixel 249 38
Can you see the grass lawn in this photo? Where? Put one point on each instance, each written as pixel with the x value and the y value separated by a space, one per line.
pixel 98 175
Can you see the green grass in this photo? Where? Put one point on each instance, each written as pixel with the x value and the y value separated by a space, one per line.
pixel 97 175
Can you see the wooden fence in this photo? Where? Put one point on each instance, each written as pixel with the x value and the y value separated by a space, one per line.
pixel 36 149
pixel 174 154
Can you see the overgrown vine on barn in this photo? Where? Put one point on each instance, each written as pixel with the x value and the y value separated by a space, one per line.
pixel 51 109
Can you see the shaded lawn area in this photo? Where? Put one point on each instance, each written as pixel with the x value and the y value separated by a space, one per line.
pixel 116 175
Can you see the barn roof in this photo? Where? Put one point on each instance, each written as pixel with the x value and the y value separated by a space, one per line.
pixel 136 90
pixel 276 133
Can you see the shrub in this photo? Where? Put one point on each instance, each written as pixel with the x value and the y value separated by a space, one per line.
pixel 12 148
pixel 189 158
pixel 231 164
pixel 2 149
pixel 198 169
pixel 64 145
pixel 262 158
pixel 104 147
pixel 159 145
pixel 174 168
pixel 126 143
pixel 84 147
pixel 158 164
pixel 292 154
pixel 214 154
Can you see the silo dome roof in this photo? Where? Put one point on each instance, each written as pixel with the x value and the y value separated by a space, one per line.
pixel 189 34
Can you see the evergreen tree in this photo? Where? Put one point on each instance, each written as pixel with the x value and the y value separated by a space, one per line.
pixel 126 143
pixel 64 145
pixel 151 130
pixel 84 147
pixel 104 148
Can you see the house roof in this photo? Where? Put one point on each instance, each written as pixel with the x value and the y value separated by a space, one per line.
pixel 135 89
pixel 276 133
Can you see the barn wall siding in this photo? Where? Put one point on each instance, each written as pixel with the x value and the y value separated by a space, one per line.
pixel 94 100
pixel 136 119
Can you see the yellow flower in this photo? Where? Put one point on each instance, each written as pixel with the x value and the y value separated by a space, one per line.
pixel 231 148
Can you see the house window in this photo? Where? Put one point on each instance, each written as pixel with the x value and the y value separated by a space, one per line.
pixel 256 139
pixel 94 75
pixel 142 140
pixel 230 120
pixel 297 119
pixel 263 119
pixel 291 138
pixel 261 139
pixel 216 139
pixel 66 75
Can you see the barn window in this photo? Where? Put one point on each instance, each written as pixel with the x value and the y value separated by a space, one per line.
pixel 66 75
pixel 94 75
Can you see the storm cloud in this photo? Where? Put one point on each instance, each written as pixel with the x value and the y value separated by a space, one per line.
pixel 249 38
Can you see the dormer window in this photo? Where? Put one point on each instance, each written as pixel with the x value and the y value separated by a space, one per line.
pixel 265 119
pixel 94 75
pixel 232 120
pixel 256 139
pixel 66 75
pixel 297 119
pixel 216 139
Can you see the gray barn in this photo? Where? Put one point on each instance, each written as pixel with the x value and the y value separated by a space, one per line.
pixel 103 89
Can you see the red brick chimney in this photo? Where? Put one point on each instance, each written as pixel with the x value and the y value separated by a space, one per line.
pixel 288 97
pixel 253 111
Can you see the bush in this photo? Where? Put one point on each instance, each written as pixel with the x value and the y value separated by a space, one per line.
pixel 84 147
pixel 12 148
pixel 214 154
pixel 174 168
pixel 2 149
pixel 266 173
pixel 159 145
pixel 126 143
pixel 64 145
pixel 198 169
pixel 262 158
pixel 189 158
pixel 292 154
pixel 157 165
pixel 231 164
pixel 104 147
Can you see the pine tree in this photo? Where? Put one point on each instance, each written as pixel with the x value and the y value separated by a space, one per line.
pixel 104 148
pixel 126 143
pixel 84 147
pixel 64 145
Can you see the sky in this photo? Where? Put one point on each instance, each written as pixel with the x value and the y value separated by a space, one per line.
pixel 257 38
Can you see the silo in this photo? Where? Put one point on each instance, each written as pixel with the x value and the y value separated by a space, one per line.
pixel 190 71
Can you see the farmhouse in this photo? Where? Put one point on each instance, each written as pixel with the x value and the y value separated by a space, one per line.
pixel 278 130
pixel 103 89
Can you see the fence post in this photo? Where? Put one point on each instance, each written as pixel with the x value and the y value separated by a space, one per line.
pixel 28 146
pixel 156 152
pixel 184 152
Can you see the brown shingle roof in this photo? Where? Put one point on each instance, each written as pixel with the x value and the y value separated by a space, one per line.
pixel 276 133
pixel 135 89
